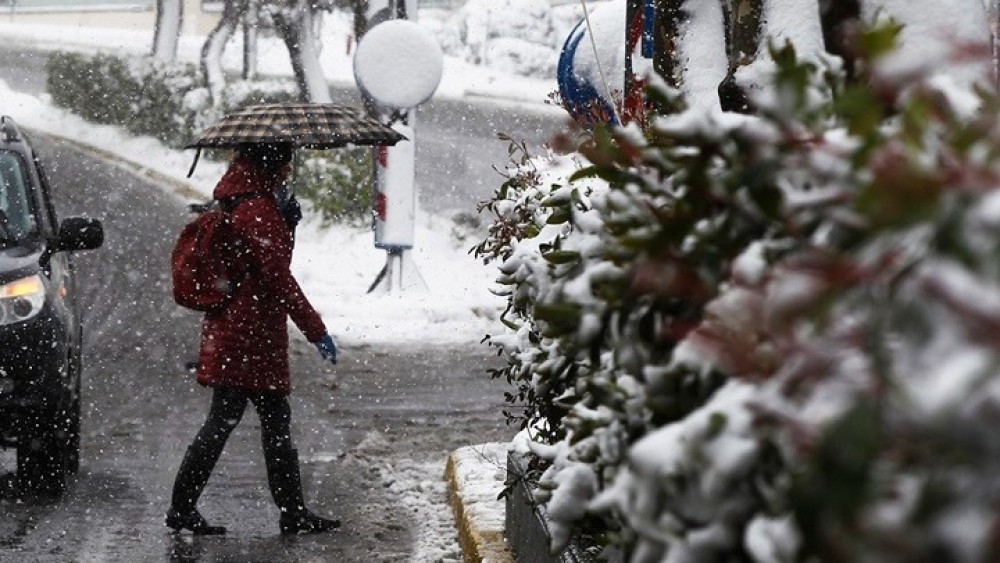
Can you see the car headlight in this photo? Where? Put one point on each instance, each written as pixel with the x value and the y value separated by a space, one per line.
pixel 21 299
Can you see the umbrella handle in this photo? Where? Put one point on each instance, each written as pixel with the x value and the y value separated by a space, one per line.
pixel 197 155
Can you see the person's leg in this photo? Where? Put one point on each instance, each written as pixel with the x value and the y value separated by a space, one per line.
pixel 282 463
pixel 200 459
pixel 275 433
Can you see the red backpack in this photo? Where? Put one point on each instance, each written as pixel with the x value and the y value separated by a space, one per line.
pixel 207 263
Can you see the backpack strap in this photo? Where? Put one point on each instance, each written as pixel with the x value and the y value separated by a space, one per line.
pixel 229 204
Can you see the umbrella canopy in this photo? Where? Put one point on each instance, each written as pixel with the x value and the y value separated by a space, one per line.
pixel 312 126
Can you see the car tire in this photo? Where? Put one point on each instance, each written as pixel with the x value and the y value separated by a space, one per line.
pixel 41 453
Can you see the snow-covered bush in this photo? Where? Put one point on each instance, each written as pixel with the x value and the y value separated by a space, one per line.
pixel 512 35
pixel 335 184
pixel 83 83
pixel 768 338
pixel 144 95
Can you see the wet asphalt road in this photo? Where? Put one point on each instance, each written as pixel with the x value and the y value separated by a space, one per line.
pixel 373 432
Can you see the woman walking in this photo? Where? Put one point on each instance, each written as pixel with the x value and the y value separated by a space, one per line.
pixel 244 346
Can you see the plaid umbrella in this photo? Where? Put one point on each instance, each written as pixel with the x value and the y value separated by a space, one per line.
pixel 313 126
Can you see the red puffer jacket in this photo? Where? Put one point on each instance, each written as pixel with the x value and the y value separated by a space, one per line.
pixel 245 345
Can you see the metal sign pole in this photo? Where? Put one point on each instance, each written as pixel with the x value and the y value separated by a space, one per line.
pixel 394 197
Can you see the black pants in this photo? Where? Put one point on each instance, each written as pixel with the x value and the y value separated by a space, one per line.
pixel 227 410
pixel 225 413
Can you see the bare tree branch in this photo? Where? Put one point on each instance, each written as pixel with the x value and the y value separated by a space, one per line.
pixel 169 17
pixel 295 24
pixel 215 44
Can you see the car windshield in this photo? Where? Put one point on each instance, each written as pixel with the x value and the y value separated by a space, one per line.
pixel 17 221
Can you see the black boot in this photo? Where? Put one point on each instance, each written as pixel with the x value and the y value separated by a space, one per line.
pixel 192 476
pixel 286 487
pixel 192 521
pixel 306 522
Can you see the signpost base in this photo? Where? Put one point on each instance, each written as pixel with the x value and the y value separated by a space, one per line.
pixel 399 271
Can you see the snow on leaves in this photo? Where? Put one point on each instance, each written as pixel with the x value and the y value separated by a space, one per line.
pixel 768 337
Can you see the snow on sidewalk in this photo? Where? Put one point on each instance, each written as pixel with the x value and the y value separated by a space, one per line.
pixel 475 476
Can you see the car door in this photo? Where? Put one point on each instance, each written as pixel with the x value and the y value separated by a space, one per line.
pixel 59 267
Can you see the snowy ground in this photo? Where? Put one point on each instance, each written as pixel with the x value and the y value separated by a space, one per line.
pixel 335 265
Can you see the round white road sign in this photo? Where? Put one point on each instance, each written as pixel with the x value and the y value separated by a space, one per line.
pixel 398 64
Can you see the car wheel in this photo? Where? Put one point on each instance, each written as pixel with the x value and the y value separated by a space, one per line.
pixel 41 453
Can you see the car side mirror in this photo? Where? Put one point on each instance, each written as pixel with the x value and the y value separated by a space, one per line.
pixel 80 233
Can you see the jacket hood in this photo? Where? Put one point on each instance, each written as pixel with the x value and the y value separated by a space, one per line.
pixel 244 177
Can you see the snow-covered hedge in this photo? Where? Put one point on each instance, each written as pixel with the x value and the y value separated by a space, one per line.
pixel 767 338
pixel 336 184
pixel 148 97
pixel 144 96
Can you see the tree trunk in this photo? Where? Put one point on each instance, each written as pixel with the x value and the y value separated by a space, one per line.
pixel 839 17
pixel 169 16
pixel 360 9
pixel 743 37
pixel 669 17
pixel 295 24
pixel 215 45
pixel 251 17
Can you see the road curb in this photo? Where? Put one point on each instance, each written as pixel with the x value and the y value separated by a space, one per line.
pixel 472 494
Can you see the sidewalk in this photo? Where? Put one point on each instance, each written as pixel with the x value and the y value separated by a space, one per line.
pixel 475 476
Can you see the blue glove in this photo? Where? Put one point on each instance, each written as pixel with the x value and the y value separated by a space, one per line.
pixel 327 348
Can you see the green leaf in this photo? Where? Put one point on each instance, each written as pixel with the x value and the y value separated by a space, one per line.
pixel 562 256
pixel 585 172
pixel 559 216
pixel 561 317
pixel 879 41
pixel 716 424
pixel 558 197
pixel 861 109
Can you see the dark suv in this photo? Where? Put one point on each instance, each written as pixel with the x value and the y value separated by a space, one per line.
pixel 40 332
